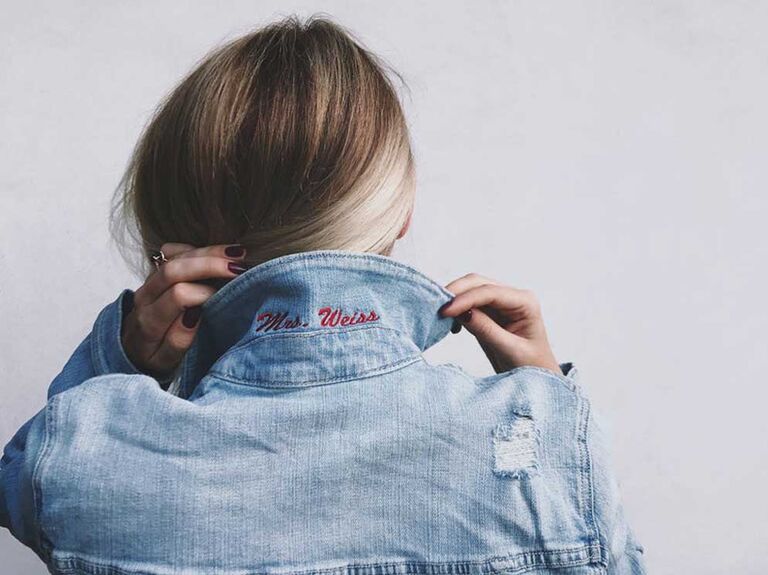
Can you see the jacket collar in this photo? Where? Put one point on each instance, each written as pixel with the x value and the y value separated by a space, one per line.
pixel 316 317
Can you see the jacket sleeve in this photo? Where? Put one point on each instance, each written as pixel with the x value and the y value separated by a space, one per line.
pixel 624 553
pixel 101 352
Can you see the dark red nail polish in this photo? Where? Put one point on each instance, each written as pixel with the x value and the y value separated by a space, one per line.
pixel 455 326
pixel 441 311
pixel 466 316
pixel 191 316
pixel 235 268
pixel 234 251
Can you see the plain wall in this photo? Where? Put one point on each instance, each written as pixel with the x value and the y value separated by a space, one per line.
pixel 611 156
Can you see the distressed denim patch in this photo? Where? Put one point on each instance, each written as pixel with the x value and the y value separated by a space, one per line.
pixel 515 448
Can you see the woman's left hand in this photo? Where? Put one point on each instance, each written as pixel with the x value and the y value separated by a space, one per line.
pixel 162 324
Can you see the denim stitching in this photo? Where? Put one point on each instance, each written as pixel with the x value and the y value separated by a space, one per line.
pixel 313 382
pixel 560 378
pixel 514 563
pixel 583 477
pixel 590 510
pixel 306 334
pixel 37 489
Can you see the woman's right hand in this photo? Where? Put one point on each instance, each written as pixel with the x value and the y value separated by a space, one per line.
pixel 506 321
pixel 162 323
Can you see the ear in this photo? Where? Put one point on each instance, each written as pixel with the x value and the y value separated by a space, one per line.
pixel 406 225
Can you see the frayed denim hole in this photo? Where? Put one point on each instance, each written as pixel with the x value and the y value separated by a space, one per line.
pixel 516 448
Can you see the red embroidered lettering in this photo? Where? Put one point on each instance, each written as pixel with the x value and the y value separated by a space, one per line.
pixel 274 322
pixel 332 317
pixel 329 317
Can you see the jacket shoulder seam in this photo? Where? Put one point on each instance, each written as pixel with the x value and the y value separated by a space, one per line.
pixel 562 380
pixel 458 370
pixel 588 489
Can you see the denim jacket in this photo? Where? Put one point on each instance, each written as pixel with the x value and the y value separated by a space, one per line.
pixel 309 435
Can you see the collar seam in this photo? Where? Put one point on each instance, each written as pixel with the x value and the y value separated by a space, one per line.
pixel 300 384
pixel 317 332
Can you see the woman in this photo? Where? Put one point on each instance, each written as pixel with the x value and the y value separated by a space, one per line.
pixel 261 403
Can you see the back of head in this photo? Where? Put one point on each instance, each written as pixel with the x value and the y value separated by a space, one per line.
pixel 287 139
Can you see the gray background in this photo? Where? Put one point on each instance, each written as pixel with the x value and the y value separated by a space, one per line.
pixel 608 155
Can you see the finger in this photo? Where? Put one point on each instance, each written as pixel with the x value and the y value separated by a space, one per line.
pixel 492 295
pixel 230 251
pixel 185 270
pixel 170 250
pixel 159 315
pixel 175 249
pixel 489 334
pixel 468 281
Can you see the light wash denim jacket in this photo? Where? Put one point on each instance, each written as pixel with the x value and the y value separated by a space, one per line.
pixel 308 435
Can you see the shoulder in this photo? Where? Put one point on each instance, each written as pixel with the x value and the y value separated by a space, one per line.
pixel 110 387
pixel 528 429
pixel 553 404
pixel 528 384
pixel 116 404
pixel 541 377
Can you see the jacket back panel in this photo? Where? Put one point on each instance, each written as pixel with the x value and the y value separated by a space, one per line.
pixel 420 466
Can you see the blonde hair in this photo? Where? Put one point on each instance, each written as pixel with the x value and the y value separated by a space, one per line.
pixel 287 139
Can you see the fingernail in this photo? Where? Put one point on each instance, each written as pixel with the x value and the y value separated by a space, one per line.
pixel 191 316
pixel 444 307
pixel 455 326
pixel 234 251
pixel 466 316
pixel 235 268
